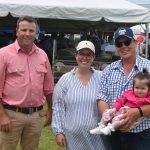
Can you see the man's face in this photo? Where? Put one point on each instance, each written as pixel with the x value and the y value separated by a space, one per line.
pixel 126 47
pixel 26 33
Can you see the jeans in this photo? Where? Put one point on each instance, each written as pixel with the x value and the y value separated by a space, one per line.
pixel 128 141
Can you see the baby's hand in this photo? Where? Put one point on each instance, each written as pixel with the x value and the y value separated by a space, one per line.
pixel 108 114
pixel 112 111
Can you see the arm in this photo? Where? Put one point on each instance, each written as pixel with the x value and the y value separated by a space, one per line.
pixel 48 112
pixel 146 110
pixel 58 116
pixel 5 122
pixel 120 102
pixel 102 106
pixel 48 91
pixel 145 107
pixel 107 114
pixel 132 114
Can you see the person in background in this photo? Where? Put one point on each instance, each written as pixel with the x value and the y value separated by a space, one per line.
pixel 45 43
pixel 135 97
pixel 116 79
pixel 74 103
pixel 25 80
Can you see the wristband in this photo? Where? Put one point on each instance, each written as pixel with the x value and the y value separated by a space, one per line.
pixel 140 111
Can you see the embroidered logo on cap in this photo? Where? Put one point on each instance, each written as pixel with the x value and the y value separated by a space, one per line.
pixel 122 32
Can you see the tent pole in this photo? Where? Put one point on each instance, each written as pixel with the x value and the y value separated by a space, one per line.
pixel 54 54
pixel 147 40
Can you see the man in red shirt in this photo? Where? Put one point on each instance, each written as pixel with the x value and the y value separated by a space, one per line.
pixel 26 82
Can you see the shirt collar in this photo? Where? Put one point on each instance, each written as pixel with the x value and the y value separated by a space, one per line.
pixel 17 48
pixel 73 71
pixel 138 63
pixel 118 64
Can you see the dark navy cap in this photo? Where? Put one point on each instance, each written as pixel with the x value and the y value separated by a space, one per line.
pixel 124 31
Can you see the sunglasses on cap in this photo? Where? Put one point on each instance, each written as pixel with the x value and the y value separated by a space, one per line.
pixel 119 44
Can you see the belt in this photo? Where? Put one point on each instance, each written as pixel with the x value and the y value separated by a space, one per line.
pixel 25 110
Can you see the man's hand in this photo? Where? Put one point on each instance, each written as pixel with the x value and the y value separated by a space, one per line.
pixel 130 116
pixel 60 140
pixel 48 113
pixel 5 122
pixel 48 117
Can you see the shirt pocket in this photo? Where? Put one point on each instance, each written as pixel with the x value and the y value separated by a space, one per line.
pixel 40 74
pixel 16 73
pixel 16 70
pixel 41 70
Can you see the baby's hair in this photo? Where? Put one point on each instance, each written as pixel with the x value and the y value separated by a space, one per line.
pixel 144 75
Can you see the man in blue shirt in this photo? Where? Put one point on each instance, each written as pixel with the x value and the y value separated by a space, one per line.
pixel 117 78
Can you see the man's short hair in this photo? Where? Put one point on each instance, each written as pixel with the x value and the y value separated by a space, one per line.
pixel 28 19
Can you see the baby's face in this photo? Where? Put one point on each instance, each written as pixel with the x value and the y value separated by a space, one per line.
pixel 140 88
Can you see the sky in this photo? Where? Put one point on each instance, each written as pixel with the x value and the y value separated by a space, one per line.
pixel 140 1
pixel 144 3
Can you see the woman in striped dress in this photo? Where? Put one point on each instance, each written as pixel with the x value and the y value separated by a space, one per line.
pixel 74 103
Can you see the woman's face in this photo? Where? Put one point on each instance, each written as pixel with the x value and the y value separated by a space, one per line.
pixel 84 58
pixel 127 48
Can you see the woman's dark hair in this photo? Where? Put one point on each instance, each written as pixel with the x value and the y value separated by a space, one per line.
pixel 144 75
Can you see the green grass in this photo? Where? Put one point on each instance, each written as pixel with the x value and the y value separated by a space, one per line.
pixel 47 140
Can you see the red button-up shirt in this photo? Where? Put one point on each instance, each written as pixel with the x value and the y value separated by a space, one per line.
pixel 25 79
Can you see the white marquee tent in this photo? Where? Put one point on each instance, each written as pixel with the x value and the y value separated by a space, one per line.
pixel 74 15
pixel 145 28
pixel 144 3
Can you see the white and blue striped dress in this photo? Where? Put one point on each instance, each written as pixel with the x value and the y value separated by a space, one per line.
pixel 75 111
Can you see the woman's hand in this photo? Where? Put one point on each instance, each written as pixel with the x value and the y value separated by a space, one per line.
pixel 60 140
